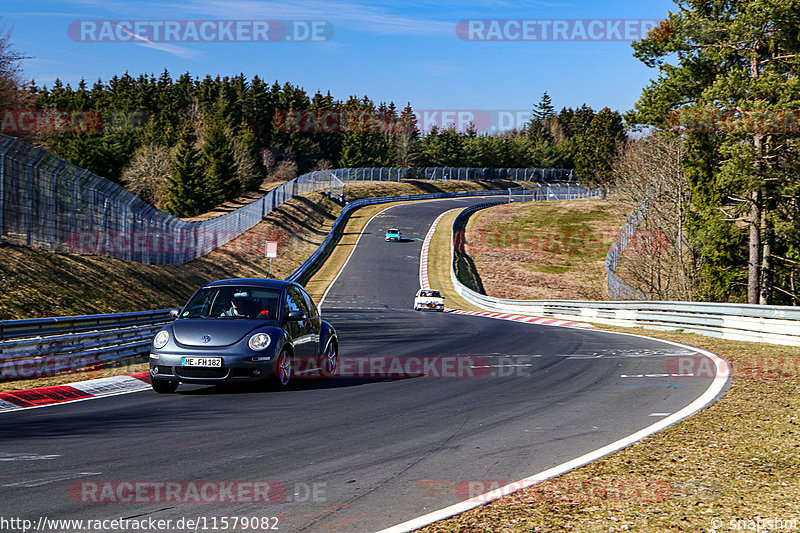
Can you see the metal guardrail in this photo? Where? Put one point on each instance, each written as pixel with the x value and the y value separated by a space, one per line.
pixel 757 323
pixel 42 347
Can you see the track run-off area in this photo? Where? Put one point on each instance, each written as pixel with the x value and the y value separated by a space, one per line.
pixel 429 407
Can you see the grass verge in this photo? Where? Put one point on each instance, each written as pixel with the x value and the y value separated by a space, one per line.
pixel 439 264
pixel 553 249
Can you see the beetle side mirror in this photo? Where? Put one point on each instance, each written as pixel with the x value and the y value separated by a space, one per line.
pixel 174 313
pixel 295 316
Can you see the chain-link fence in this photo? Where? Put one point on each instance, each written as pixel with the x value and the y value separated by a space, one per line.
pixel 618 289
pixel 450 173
pixel 51 204
pixel 537 192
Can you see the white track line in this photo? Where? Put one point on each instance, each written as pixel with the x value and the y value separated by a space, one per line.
pixel 426 244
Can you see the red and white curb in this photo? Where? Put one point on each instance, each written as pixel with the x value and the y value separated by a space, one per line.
pixel 425 284
pixel 73 392
pixel 526 319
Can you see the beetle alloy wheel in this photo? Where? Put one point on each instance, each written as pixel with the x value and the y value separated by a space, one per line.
pixel 284 369
pixel 331 360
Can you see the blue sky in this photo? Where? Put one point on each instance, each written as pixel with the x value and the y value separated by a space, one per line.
pixel 401 52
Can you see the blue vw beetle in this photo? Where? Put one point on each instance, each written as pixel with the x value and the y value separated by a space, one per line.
pixel 244 330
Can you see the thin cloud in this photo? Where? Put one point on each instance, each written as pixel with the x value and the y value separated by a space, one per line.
pixel 362 17
pixel 169 48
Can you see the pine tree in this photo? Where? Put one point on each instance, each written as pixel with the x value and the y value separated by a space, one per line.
pixel 599 147
pixel 544 109
pixel 185 194
pixel 220 165
pixel 543 117
pixel 725 71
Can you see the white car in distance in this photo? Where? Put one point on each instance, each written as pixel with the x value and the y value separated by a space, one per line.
pixel 428 300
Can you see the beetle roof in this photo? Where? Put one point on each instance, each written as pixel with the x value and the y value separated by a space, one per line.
pixel 251 282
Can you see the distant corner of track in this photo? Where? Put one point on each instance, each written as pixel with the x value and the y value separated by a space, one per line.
pixel 424 283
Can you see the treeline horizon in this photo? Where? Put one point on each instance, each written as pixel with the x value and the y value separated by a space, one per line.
pixel 188 144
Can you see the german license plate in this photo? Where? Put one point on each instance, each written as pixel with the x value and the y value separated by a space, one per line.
pixel 208 362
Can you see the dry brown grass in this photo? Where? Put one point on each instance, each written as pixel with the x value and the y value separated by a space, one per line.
pixel 544 250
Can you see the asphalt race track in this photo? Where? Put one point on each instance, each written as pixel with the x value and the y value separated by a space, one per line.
pixel 360 452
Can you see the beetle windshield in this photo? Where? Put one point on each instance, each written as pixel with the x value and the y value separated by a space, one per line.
pixel 232 302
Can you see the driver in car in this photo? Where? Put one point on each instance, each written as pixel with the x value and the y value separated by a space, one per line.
pixel 238 307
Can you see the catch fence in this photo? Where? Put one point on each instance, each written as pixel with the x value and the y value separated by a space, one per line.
pixel 49 203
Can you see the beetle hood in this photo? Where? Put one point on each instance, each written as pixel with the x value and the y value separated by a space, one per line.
pixel 203 332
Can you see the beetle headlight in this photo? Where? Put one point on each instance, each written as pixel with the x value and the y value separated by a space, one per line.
pixel 161 339
pixel 258 342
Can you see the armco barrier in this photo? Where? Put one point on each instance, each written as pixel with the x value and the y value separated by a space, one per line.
pixel 44 347
pixel 757 323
